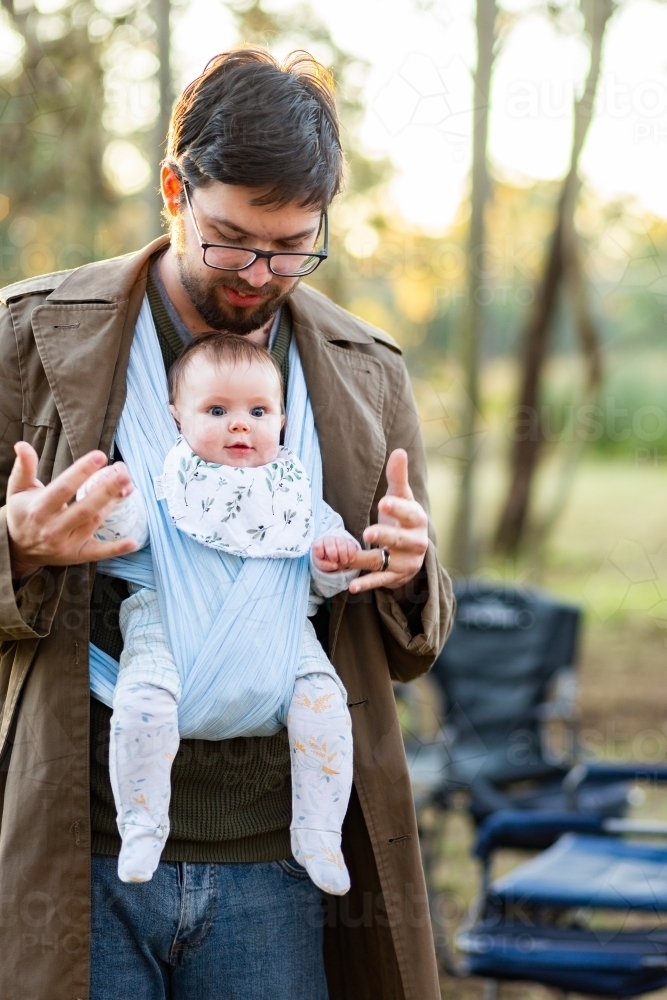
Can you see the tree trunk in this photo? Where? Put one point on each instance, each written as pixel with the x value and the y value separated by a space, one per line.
pixel 560 263
pixel 589 342
pixel 161 12
pixel 462 555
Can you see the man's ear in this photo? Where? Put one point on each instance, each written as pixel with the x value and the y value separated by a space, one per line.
pixel 174 413
pixel 171 187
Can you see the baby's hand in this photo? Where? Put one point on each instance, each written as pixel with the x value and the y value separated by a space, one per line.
pixel 109 471
pixel 333 553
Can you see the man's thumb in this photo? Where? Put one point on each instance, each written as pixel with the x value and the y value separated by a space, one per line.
pixel 24 473
pixel 397 475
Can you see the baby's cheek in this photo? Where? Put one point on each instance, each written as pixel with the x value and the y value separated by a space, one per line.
pixel 211 428
pixel 267 443
pixel 203 436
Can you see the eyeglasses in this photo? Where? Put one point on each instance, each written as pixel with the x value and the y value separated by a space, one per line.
pixel 283 264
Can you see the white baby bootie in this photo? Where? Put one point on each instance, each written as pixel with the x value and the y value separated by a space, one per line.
pixel 320 736
pixel 140 852
pixel 320 854
pixel 144 742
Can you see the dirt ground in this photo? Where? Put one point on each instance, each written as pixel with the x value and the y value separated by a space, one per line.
pixel 623 687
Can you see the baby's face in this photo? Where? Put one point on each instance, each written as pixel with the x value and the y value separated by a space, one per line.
pixel 230 414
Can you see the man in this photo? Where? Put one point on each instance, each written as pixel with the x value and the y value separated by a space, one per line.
pixel 253 163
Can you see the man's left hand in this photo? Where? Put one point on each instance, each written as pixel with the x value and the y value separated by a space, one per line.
pixel 402 530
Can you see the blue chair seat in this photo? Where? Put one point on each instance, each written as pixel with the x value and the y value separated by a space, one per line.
pixel 624 964
pixel 593 871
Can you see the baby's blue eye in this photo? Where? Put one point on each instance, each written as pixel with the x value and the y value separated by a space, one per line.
pixel 257 411
pixel 217 411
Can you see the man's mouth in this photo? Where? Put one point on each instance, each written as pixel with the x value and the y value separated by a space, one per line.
pixel 242 299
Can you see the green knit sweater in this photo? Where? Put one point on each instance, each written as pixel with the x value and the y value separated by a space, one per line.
pixel 231 800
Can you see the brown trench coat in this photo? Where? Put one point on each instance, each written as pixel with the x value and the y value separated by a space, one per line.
pixel 64 345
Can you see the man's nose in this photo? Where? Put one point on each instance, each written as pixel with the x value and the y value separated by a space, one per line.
pixel 257 274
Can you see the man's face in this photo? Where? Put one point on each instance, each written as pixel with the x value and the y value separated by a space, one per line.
pixel 238 301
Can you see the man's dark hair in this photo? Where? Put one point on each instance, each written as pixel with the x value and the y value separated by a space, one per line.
pixel 248 120
pixel 219 348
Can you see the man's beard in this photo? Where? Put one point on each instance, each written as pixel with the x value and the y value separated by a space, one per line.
pixel 222 315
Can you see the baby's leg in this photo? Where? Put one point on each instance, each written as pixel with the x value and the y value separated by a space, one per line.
pixel 144 742
pixel 320 735
pixel 144 737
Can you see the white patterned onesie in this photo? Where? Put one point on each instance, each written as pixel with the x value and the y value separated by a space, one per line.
pixel 264 512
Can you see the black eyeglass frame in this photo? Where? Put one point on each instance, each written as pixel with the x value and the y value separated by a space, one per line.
pixel 266 255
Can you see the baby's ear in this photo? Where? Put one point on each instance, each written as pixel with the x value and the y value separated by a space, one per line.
pixel 282 421
pixel 174 413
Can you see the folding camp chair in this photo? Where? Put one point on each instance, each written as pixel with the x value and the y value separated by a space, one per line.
pixel 588 914
pixel 510 649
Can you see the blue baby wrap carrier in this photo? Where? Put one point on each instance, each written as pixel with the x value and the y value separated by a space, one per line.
pixel 234 625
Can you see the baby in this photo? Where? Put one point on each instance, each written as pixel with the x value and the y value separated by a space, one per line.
pixel 226 398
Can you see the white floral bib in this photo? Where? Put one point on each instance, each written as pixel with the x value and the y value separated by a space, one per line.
pixel 264 512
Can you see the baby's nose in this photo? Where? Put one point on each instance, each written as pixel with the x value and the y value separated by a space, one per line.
pixel 239 423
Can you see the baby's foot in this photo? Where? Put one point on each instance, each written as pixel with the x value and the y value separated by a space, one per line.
pixel 140 853
pixel 320 854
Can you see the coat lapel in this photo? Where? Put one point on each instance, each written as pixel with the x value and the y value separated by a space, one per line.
pixel 78 345
pixel 83 333
pixel 346 390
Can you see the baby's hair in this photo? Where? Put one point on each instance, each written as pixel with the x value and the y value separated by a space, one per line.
pixel 219 348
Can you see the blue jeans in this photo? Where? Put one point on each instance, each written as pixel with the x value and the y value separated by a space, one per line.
pixel 207 932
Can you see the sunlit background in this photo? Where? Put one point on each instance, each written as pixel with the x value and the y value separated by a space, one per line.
pixel 85 92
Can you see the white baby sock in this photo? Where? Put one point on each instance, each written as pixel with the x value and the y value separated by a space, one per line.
pixel 320 736
pixel 144 742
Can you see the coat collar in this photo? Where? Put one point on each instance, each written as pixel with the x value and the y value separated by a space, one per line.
pixel 346 385
pixel 318 316
pixel 106 280
pixel 84 331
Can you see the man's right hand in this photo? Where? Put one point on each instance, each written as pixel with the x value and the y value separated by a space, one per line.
pixel 45 529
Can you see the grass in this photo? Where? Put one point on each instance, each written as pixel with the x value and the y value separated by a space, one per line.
pixel 608 550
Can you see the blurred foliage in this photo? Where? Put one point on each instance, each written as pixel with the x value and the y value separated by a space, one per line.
pixel 78 103
pixel 76 85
